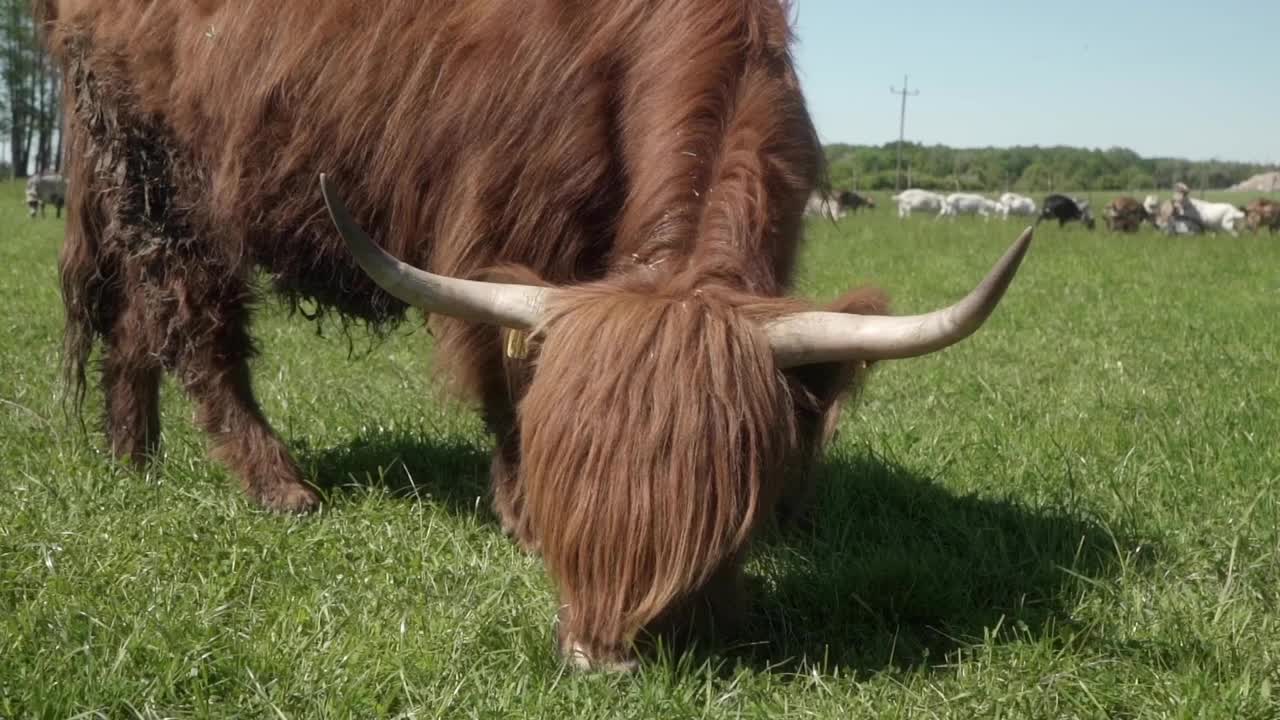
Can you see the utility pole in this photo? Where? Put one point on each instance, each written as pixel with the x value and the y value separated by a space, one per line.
pixel 902 125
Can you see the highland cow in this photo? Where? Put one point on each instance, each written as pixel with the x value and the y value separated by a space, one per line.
pixel 605 200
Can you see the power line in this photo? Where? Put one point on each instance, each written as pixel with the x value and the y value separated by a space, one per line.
pixel 902 125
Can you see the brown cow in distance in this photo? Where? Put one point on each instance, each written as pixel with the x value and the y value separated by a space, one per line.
pixel 1125 214
pixel 598 204
pixel 1262 213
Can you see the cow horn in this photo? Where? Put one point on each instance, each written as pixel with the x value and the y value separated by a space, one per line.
pixel 518 307
pixel 819 337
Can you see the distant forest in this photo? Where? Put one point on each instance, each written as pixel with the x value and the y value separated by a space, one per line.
pixel 1026 169
pixel 30 96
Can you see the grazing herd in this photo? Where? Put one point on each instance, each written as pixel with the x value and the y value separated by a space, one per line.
pixel 1179 215
pixel 1185 215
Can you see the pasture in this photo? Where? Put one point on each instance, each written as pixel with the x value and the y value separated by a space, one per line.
pixel 1076 513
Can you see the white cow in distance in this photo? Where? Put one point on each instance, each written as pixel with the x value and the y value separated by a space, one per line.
pixel 1214 215
pixel 1164 217
pixel 968 204
pixel 915 199
pixel 46 189
pixel 826 206
pixel 1015 204
pixel 1193 216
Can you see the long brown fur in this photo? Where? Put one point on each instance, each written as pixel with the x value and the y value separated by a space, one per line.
pixel 647 476
pixel 655 155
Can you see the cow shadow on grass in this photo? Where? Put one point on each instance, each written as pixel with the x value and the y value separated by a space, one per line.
pixel 891 570
pixel 894 571
pixel 449 472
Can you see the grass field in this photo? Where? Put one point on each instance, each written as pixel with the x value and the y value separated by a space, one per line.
pixel 1073 514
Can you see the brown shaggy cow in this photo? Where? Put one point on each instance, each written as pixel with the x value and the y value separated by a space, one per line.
pixel 1125 214
pixel 1262 213
pixel 641 167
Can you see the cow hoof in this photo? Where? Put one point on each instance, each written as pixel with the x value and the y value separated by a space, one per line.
pixel 292 499
pixel 578 658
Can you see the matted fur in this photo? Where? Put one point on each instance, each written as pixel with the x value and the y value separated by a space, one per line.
pixel 654 154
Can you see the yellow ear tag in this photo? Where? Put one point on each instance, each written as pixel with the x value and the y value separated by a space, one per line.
pixel 517 344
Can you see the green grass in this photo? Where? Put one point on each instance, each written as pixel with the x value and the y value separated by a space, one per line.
pixel 1073 514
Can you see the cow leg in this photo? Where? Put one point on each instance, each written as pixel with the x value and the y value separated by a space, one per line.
pixel 715 612
pixel 474 356
pixel 213 369
pixel 584 653
pixel 504 470
pixel 131 387
pixel 508 498
pixel 718 610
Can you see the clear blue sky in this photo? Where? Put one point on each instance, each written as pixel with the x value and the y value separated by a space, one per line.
pixel 1171 78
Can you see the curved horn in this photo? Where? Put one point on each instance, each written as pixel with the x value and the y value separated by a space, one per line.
pixel 518 307
pixel 818 337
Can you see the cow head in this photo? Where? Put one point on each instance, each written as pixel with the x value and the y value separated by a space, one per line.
pixel 661 420
pixel 1086 215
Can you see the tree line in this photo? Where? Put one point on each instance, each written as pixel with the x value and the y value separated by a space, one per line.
pixel 30 95
pixel 1023 169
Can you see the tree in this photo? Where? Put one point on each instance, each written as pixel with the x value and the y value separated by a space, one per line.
pixel 1028 169
pixel 31 101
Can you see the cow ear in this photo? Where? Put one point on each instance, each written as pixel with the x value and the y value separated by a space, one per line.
pixel 858 301
pixel 823 386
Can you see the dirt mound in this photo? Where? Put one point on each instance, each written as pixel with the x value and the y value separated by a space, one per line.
pixel 1266 182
